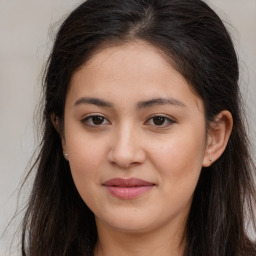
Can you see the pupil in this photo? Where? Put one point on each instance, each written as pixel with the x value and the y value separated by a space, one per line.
pixel 97 120
pixel 159 120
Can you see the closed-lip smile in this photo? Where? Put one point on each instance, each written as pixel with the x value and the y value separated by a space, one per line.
pixel 127 188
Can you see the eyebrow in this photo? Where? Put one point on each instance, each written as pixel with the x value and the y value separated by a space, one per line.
pixel 93 101
pixel 140 105
pixel 160 101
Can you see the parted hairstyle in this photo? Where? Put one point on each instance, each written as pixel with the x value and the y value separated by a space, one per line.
pixel 57 221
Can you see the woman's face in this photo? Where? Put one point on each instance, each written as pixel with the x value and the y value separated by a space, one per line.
pixel 135 135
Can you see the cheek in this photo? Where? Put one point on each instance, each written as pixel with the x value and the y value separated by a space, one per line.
pixel 179 166
pixel 179 160
pixel 86 159
pixel 86 156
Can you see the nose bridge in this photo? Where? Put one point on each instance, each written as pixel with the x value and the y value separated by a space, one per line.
pixel 126 148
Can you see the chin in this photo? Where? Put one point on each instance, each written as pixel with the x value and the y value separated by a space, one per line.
pixel 131 222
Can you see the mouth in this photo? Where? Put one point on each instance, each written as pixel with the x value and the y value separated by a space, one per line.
pixel 127 188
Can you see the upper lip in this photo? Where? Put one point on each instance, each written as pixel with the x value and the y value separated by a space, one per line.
pixel 130 182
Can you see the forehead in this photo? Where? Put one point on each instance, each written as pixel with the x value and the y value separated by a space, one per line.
pixel 136 69
pixel 138 52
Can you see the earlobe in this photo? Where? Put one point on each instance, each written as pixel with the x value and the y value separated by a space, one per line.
pixel 218 135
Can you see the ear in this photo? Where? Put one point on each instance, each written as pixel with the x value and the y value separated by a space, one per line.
pixel 56 123
pixel 217 137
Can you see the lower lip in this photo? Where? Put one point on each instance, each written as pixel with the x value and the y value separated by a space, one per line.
pixel 128 192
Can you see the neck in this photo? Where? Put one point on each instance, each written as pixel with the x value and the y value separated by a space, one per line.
pixel 158 242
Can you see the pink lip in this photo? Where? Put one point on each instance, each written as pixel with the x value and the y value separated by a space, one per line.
pixel 128 188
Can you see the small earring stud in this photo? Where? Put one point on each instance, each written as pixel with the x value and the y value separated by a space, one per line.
pixel 66 155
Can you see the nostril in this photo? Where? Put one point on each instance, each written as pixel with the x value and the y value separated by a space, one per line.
pixel 126 153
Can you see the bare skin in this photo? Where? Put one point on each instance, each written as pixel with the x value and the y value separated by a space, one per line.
pixel 130 114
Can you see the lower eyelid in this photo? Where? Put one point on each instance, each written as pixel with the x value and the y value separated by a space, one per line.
pixel 86 122
pixel 170 120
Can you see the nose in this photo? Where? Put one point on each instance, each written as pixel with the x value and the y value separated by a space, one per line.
pixel 126 148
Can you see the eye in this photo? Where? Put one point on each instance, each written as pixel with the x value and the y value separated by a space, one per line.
pixel 160 121
pixel 95 120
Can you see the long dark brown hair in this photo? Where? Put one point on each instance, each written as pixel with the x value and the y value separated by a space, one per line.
pixel 57 222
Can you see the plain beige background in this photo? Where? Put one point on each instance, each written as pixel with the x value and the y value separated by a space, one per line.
pixel 25 41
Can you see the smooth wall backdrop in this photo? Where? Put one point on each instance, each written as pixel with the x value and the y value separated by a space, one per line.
pixel 25 42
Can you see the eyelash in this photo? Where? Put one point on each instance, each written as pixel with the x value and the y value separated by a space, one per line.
pixel 167 121
pixel 89 121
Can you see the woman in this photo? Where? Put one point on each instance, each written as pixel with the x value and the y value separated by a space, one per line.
pixel 144 150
